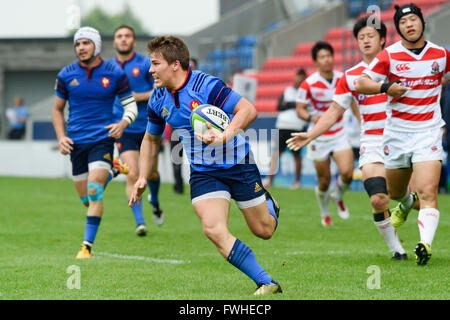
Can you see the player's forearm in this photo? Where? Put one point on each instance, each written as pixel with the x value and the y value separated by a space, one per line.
pixel 245 115
pixel 366 85
pixel 58 123
pixel 142 96
pixel 301 111
pixel 327 120
pixel 148 154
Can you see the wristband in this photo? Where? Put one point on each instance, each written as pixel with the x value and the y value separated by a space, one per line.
pixel 385 86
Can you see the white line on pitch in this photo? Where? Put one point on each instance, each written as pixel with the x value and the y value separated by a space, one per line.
pixel 148 259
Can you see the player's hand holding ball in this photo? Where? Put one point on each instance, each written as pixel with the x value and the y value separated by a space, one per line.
pixel 209 123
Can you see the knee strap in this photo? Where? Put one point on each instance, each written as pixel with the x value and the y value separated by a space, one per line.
pixel 375 185
pixel 98 196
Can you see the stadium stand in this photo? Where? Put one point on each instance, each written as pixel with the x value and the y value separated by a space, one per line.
pixel 277 72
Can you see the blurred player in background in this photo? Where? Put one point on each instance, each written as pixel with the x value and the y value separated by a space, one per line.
pixel 90 85
pixel 287 123
pixel 136 67
pixel 314 98
pixel 371 39
pixel 213 183
pixel 413 69
pixel 17 116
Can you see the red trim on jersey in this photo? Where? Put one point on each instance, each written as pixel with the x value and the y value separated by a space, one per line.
pixel 412 116
pixel 356 72
pixel 329 133
pixel 374 131
pixel 383 64
pixel 319 84
pixel 416 101
pixel 123 63
pixel 374 116
pixel 430 54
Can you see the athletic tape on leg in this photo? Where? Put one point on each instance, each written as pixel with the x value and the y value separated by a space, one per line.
pixel 98 196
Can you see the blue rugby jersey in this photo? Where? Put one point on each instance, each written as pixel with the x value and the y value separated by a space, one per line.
pixel 136 69
pixel 91 95
pixel 175 108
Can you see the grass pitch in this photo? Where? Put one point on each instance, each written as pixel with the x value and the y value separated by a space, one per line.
pixel 42 227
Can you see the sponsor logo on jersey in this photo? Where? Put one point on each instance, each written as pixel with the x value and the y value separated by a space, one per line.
pixel 435 68
pixel 136 72
pixel 194 104
pixel 105 82
pixel 402 67
pixel 74 82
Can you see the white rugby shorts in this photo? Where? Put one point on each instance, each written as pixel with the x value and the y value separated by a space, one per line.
pixel 401 149
pixel 322 150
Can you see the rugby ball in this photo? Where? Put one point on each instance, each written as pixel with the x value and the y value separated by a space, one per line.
pixel 207 113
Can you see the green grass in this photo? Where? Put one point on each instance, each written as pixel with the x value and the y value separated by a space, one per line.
pixel 42 226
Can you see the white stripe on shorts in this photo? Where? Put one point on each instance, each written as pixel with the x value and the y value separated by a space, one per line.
pixel 80 177
pixel 99 165
pixel 251 203
pixel 213 195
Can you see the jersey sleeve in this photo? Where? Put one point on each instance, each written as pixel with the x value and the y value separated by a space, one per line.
pixel 155 123
pixel 304 93
pixel 343 95
pixel 123 88
pixel 60 87
pixel 378 69
pixel 222 96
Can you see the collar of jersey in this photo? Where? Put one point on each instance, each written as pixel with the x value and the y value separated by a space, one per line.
pixel 186 80
pixel 123 63
pixel 86 68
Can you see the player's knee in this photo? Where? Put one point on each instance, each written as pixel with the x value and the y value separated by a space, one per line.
pixel 212 233
pixel 153 176
pixel 427 193
pixel 323 182
pixel 379 202
pixel 347 176
pixel 132 176
pixel 95 191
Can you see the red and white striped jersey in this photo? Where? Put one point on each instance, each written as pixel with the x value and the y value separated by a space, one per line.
pixel 372 108
pixel 418 109
pixel 318 93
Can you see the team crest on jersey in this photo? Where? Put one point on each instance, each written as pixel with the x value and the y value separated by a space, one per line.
pixel 105 82
pixel 361 97
pixel 136 72
pixel 74 82
pixel 435 68
pixel 165 112
pixel 194 104
pixel 386 150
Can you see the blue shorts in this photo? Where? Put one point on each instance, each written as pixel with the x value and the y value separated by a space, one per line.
pixel 241 182
pixel 130 141
pixel 88 156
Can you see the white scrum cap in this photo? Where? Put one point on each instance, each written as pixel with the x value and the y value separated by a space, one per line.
pixel 90 34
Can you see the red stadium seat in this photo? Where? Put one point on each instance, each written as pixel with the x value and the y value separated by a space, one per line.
pixel 334 33
pixel 303 49
pixel 265 105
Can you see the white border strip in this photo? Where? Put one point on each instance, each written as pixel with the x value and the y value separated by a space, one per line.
pixel 251 203
pixel 222 194
pixel 147 259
